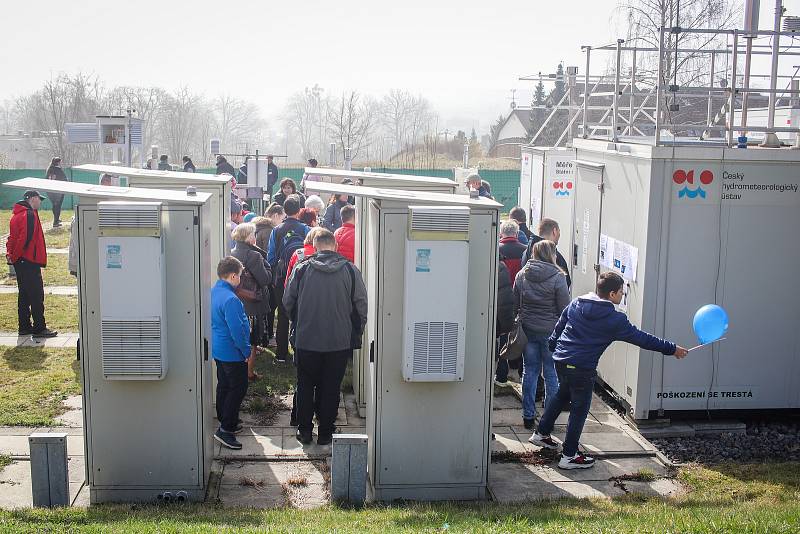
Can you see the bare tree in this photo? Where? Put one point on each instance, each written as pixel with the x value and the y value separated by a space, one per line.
pixel 237 121
pixel 181 116
pixel 300 117
pixel 350 121
pixel 61 100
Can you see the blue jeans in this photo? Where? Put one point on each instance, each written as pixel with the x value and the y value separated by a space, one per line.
pixel 537 360
pixel 575 388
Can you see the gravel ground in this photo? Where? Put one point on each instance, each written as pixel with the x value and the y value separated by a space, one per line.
pixel 777 441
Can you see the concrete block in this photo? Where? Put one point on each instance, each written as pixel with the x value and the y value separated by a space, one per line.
pixel 677 430
pixel 49 471
pixel 722 426
pixel 349 468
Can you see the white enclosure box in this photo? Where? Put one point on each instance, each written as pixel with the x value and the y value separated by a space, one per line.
pixel 257 173
pixel 435 297
pixel 547 190
pixel 428 440
pixel 384 181
pixel 696 225
pixel 143 439
pixel 131 270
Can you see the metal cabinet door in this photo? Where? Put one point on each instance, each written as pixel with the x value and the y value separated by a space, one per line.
pixel 588 210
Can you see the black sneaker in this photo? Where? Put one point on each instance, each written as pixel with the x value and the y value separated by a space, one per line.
pixel 528 423
pixel 44 333
pixel 579 461
pixel 304 437
pixel 227 439
pixel 324 440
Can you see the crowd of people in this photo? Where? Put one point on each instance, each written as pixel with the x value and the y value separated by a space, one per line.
pixel 288 281
pixel 564 337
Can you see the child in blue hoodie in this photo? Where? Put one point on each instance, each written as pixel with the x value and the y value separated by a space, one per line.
pixel 230 347
pixel 583 332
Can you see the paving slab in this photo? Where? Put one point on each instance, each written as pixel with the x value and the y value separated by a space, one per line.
pixel 251 497
pixel 307 497
pixel 603 470
pixel 607 442
pixel 514 483
pixel 506 401
pixel 253 446
pixel 18 445
pixel 15 483
pixel 293 448
pixel 508 442
pixel 71 419
pixel 272 473
pixel 663 487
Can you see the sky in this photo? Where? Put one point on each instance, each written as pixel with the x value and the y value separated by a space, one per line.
pixel 464 56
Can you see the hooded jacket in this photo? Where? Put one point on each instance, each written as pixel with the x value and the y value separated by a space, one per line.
pixel 541 295
pixel 317 297
pixel 26 237
pixel 223 167
pixel 589 325
pixel 263 231
pixel 230 328
pixel 346 240
pixel 505 301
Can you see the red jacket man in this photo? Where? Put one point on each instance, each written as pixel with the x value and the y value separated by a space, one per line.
pixel 345 235
pixel 26 250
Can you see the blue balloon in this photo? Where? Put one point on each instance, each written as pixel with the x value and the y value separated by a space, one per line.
pixel 710 323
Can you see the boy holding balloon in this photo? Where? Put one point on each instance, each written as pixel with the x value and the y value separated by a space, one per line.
pixel 583 332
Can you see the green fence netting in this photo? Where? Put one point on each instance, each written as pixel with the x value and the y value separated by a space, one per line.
pixel 505 183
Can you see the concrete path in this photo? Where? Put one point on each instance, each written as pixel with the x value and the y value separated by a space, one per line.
pixel 48 290
pixel 274 470
pixel 63 339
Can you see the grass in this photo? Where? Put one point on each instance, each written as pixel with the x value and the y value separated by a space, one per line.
pixel 60 311
pixel 34 384
pixel 4 460
pixel 54 237
pixel 56 273
pixel 753 498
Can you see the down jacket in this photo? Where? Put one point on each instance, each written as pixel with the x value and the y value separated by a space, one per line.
pixel 541 295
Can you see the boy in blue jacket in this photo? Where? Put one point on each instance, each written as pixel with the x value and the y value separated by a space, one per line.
pixel 230 347
pixel 583 332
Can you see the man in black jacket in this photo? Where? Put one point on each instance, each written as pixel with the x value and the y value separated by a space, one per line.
pixel 188 165
pixel 548 229
pixel 272 175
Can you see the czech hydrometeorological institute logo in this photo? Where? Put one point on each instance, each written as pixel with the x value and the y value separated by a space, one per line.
pixel 681 177
pixel 562 188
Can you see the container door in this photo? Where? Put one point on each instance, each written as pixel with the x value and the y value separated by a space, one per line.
pixel 588 209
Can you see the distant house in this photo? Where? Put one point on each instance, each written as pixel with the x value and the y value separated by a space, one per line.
pixel 25 150
pixel 514 132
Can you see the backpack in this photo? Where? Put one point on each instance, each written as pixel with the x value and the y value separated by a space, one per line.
pixel 290 240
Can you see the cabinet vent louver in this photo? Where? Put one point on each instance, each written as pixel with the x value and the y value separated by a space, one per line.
pixel 429 221
pixel 435 348
pixel 131 348
pixel 146 218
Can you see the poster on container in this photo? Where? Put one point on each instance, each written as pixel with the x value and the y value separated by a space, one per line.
pixel 619 256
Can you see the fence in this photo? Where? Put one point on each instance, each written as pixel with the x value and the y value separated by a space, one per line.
pixel 505 183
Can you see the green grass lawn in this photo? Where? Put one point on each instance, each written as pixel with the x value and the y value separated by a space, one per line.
pixel 54 237
pixel 60 311
pixel 34 382
pixel 55 274
pixel 753 498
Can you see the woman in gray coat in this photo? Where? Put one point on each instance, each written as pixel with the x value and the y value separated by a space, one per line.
pixel 255 264
pixel 541 294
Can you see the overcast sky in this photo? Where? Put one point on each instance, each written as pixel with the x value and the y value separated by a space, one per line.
pixel 464 56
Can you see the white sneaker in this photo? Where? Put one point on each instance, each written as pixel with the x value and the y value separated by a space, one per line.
pixel 579 461
pixel 501 384
pixel 546 442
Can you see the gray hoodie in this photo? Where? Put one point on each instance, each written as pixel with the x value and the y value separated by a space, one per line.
pixel 319 291
pixel 541 294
